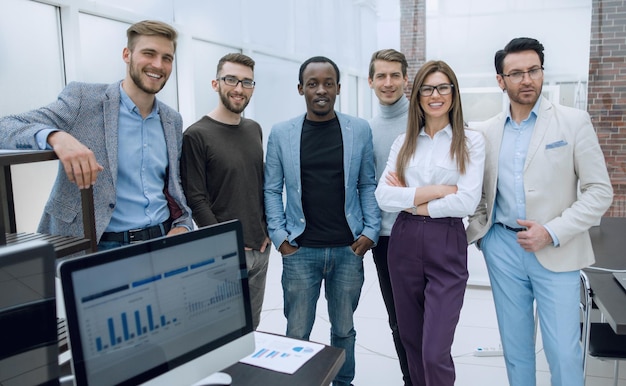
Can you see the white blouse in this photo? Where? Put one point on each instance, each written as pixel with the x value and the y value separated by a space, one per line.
pixel 431 165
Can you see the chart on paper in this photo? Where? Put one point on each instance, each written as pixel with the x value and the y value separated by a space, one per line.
pixel 280 353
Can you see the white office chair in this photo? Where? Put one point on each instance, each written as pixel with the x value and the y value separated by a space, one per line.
pixel 598 338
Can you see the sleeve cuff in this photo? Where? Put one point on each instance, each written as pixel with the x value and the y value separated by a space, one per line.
pixel 555 239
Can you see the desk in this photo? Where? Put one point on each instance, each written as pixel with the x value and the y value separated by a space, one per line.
pixel 318 371
pixel 609 247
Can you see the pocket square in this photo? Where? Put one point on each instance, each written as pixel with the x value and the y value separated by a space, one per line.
pixel 556 144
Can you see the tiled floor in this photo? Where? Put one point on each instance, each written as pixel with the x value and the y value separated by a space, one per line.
pixel 376 361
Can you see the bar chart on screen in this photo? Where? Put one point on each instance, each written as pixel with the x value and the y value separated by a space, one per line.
pixel 156 305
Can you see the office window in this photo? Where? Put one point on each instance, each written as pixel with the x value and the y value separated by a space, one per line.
pixel 31 69
pixel 276 95
pixel 366 95
pixel 31 75
pixel 352 94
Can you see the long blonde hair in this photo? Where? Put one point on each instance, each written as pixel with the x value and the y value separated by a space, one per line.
pixel 417 120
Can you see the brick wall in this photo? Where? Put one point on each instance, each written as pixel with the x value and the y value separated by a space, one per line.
pixel 413 36
pixel 607 91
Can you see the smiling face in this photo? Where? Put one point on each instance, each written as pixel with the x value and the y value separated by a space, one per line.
pixel 527 91
pixel 150 63
pixel 320 89
pixel 234 98
pixel 388 82
pixel 436 106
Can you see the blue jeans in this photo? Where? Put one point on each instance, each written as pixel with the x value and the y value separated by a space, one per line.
pixel 106 245
pixel 517 278
pixel 342 272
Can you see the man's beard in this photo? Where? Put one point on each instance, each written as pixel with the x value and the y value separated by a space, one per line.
pixel 230 106
pixel 135 75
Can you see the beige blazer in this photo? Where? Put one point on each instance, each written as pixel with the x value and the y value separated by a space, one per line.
pixel 563 156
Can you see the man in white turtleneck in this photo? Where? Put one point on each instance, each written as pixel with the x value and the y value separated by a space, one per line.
pixel 388 78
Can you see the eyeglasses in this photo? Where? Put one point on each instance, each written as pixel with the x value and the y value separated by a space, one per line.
pixel 518 76
pixel 232 81
pixel 442 89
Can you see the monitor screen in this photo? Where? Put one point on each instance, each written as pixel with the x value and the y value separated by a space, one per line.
pixel 28 329
pixel 149 311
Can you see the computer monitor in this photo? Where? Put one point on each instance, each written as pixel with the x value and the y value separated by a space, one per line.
pixel 170 311
pixel 29 350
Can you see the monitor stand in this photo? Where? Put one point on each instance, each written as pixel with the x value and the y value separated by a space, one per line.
pixel 215 379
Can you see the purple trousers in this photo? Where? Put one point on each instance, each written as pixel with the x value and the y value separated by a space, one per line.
pixel 428 269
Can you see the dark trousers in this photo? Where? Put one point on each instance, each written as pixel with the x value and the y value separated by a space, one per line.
pixel 428 270
pixel 380 259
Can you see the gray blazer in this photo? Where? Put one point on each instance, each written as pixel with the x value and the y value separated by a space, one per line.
pixel 89 112
pixel 563 157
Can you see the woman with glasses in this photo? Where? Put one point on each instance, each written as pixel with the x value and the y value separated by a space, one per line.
pixel 433 178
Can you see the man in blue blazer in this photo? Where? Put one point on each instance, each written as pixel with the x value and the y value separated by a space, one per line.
pixel 117 138
pixel 325 162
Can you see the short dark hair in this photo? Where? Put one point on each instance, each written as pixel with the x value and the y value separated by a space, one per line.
pixel 517 45
pixel 317 59
pixel 235 57
pixel 389 55
pixel 150 28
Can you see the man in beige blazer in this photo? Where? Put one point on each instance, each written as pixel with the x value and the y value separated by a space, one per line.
pixel 545 184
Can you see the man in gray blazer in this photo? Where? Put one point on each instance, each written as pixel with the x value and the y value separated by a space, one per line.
pixel 117 138
pixel 545 185
pixel 325 162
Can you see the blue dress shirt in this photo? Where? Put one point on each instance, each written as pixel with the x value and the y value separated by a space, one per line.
pixel 141 173
pixel 510 202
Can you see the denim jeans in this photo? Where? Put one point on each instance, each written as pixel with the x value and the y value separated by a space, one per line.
pixel 106 245
pixel 342 272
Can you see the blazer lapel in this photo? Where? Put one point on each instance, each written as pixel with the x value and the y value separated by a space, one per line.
pixel 168 130
pixel 539 131
pixel 347 135
pixel 295 136
pixel 111 119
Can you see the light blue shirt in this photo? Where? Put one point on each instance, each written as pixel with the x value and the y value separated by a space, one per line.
pixel 510 202
pixel 142 155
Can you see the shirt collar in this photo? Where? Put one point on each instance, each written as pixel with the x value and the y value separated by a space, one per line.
pixel 533 113
pixel 447 130
pixel 130 105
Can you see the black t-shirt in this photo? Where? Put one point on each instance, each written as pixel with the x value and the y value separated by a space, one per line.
pixel 323 192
